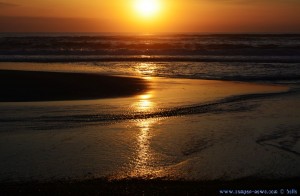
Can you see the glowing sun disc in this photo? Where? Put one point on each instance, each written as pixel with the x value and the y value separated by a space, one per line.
pixel 147 8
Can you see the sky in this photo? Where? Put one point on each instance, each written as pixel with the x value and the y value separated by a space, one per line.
pixel 220 16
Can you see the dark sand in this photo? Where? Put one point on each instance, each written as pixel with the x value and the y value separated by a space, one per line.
pixel 148 187
pixel 17 86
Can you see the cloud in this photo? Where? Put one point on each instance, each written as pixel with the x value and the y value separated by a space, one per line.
pixel 49 24
pixel 7 5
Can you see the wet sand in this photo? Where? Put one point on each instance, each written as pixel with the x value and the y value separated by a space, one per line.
pixel 152 187
pixel 21 86
pixel 206 135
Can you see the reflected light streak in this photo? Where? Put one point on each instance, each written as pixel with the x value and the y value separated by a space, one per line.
pixel 146 69
pixel 144 157
pixel 142 166
pixel 144 104
pixel 146 96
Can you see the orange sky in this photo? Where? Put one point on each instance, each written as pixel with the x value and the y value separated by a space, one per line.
pixel 173 16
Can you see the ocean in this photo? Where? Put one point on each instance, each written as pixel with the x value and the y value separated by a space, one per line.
pixel 219 107
pixel 265 57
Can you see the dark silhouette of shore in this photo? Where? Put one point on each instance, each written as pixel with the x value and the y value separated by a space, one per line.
pixel 19 86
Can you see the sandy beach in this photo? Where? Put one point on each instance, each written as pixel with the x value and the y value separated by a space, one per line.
pixel 76 133
pixel 151 187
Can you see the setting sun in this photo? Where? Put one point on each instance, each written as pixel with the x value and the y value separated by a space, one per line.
pixel 147 8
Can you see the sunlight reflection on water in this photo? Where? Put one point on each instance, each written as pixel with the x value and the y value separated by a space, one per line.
pixel 144 103
pixel 144 155
pixel 142 165
pixel 146 69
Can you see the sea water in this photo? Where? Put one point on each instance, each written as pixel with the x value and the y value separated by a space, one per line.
pixel 184 129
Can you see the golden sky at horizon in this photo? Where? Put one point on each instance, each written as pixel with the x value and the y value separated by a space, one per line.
pixel 172 16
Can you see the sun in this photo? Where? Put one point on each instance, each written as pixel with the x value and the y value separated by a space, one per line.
pixel 147 8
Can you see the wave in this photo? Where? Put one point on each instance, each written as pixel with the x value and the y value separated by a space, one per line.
pixel 220 106
pixel 181 47
pixel 147 58
pixel 274 78
pixel 229 104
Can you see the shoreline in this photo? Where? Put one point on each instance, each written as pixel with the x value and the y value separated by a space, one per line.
pixel 27 86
